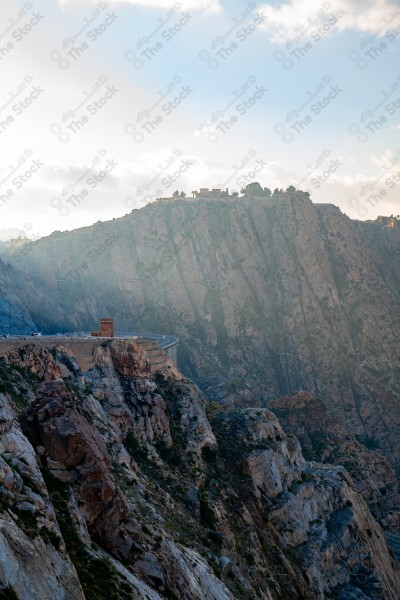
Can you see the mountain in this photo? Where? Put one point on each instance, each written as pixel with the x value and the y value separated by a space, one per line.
pixel 14 316
pixel 269 296
pixel 120 483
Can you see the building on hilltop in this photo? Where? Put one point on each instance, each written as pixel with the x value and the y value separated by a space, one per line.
pixel 213 193
pixel 106 329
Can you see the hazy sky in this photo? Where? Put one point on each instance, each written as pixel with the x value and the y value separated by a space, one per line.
pixel 106 106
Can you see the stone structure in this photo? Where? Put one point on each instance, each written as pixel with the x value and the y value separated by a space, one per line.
pixel 106 329
pixel 84 349
pixel 213 193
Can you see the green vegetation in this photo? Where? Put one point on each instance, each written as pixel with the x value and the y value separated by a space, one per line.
pixel 207 516
pixel 6 381
pixel 169 454
pixel 98 578
pixel 8 594
pixel 209 455
pixel 170 392
pixel 27 522
pixel 133 447
pixel 293 557
pixel 367 441
pixel 255 189
pixel 13 380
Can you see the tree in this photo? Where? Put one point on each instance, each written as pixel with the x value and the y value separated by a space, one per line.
pixel 175 194
pixel 183 194
pixel 267 192
pixel 235 194
pixel 291 189
pixel 253 189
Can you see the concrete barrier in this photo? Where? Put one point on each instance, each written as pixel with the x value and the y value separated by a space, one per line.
pixel 82 347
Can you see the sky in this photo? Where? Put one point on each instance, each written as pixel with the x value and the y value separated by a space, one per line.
pixel 105 106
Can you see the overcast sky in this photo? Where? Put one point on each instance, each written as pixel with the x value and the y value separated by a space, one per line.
pixel 106 106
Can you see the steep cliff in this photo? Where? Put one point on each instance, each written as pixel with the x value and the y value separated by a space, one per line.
pixel 14 316
pixel 118 484
pixel 268 297
pixel 322 439
pixel 383 236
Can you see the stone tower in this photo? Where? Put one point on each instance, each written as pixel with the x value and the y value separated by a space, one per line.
pixel 106 329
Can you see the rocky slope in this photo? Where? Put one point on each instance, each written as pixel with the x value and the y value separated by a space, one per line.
pixel 119 485
pixel 14 316
pixel 383 236
pixel 268 296
pixel 322 439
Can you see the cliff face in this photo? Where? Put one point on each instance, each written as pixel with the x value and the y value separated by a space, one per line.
pixel 14 316
pixel 323 439
pixel 383 236
pixel 119 485
pixel 268 297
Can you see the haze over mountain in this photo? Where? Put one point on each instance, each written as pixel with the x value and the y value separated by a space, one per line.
pixel 268 296
pixel 278 303
pixel 14 317
pixel 200 399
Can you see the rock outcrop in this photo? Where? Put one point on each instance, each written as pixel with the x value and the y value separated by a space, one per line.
pixel 121 484
pixel 38 361
pixel 76 454
pixel 30 539
pixel 314 509
pixel 324 440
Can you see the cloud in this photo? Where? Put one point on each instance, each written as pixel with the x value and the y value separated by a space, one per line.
pixel 303 17
pixel 385 160
pixel 206 6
